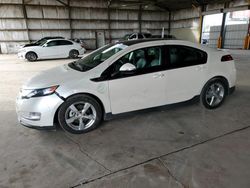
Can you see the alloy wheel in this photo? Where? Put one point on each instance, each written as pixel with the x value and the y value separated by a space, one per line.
pixel 215 94
pixel 80 115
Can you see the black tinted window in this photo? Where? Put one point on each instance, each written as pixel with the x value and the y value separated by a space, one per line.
pixel 140 36
pixel 183 56
pixel 147 35
pixel 64 42
pixel 53 43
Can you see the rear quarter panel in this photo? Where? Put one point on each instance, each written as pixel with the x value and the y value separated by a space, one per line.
pixel 218 68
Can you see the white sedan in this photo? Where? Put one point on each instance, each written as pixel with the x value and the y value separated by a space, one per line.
pixel 51 49
pixel 124 77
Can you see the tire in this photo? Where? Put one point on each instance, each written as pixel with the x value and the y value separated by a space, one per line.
pixel 31 56
pixel 80 114
pixel 73 54
pixel 214 93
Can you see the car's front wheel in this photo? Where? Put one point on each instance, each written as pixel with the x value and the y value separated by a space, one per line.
pixel 80 114
pixel 214 93
pixel 31 56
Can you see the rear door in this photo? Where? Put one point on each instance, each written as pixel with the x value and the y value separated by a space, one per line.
pixel 64 46
pixel 186 72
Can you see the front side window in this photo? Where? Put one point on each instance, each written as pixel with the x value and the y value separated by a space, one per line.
pixel 145 60
pixel 52 43
pixel 184 56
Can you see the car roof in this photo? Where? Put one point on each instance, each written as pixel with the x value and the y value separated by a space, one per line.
pixel 137 33
pixel 133 42
pixel 165 41
pixel 56 37
pixel 59 39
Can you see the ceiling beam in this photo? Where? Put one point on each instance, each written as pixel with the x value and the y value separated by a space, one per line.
pixel 63 3
pixel 27 1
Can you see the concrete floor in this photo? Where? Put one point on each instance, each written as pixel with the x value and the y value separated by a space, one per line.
pixel 186 146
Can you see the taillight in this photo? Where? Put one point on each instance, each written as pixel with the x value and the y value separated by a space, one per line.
pixel 226 58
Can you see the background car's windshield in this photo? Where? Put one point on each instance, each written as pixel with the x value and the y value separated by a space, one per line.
pixel 41 42
pixel 98 56
pixel 126 37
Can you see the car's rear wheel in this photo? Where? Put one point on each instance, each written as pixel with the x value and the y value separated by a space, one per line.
pixel 214 93
pixel 31 56
pixel 80 114
pixel 73 54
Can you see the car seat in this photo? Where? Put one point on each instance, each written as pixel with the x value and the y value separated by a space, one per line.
pixel 141 59
pixel 156 61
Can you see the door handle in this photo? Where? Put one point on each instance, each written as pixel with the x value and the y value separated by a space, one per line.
pixel 158 75
pixel 199 68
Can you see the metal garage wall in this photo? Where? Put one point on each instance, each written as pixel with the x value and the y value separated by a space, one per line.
pixel 235 35
pixel 185 24
pixel 12 27
pixel 81 19
pixel 84 18
pixel 214 34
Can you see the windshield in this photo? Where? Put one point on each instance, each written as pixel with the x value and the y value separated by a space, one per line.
pixel 126 36
pixel 41 42
pixel 97 57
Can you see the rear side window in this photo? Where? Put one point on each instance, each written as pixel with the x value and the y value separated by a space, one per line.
pixel 184 56
pixel 64 42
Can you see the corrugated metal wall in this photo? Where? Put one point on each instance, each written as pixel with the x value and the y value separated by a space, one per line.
pixel 214 34
pixel 235 35
pixel 51 18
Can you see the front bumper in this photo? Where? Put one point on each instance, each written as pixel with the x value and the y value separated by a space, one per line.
pixel 21 55
pixel 45 106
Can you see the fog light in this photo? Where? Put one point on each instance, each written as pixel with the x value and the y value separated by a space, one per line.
pixel 34 116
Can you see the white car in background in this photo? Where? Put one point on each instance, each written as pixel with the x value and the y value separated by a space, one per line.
pixel 52 49
pixel 124 77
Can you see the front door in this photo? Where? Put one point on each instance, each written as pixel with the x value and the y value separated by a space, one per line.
pixel 141 88
pixel 51 49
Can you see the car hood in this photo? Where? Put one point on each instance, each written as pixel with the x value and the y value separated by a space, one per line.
pixel 55 76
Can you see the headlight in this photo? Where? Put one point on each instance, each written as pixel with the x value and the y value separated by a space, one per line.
pixel 28 93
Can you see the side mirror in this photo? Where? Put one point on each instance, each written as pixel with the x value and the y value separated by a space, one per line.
pixel 45 45
pixel 127 67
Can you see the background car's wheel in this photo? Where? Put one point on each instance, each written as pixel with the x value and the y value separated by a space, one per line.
pixel 214 93
pixel 31 56
pixel 73 54
pixel 80 114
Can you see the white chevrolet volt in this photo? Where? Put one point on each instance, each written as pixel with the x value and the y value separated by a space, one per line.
pixel 125 77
